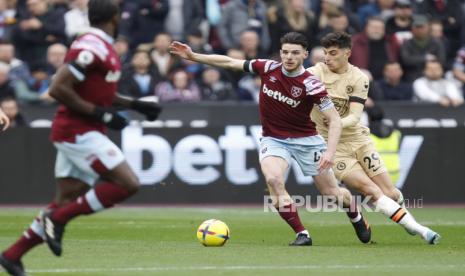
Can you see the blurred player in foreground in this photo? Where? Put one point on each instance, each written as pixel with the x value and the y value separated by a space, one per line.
pixel 86 89
pixel 357 163
pixel 288 94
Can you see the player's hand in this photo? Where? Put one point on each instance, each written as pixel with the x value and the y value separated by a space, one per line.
pixel 151 110
pixel 180 49
pixel 4 120
pixel 326 162
pixel 110 118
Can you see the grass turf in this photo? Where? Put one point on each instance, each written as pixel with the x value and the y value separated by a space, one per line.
pixel 162 241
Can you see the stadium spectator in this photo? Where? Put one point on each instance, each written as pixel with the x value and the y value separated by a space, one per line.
pixel 374 90
pixel 458 69
pixel 451 15
pixel 161 57
pixel 329 7
pixel 11 110
pixel 42 27
pixel 317 54
pixel 400 24
pixel 142 20
pixel 437 33
pixel 183 17
pixel 250 45
pixel 337 22
pixel 197 42
pixel 291 16
pixel 234 76
pixel 415 52
pixel 19 70
pixel 214 88
pixel 40 78
pixel 76 20
pixel 6 88
pixel 122 49
pixel 432 87
pixel 392 85
pixel 249 88
pixel 140 77
pixel 240 15
pixel 179 88
pixel 56 54
pixel 7 19
pixel 373 48
pixel 381 8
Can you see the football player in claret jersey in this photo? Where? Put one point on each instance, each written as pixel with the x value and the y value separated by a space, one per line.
pixel 86 89
pixel 288 94
pixel 357 163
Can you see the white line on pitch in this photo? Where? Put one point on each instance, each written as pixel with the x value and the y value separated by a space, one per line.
pixel 242 267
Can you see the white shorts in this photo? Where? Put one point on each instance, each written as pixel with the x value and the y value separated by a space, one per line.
pixel 305 150
pixel 91 154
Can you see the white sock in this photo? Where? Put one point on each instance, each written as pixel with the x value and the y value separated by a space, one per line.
pixel 357 218
pixel 399 215
pixel 303 232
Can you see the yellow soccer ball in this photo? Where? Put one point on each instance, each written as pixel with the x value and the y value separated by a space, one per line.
pixel 213 232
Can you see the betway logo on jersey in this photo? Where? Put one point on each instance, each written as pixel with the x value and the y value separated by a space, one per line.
pixel 280 97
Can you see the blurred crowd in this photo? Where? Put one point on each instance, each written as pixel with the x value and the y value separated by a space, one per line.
pixel 412 50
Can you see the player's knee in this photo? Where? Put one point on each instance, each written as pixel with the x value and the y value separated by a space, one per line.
pixel 275 183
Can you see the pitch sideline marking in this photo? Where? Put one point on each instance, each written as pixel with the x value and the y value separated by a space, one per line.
pixel 240 267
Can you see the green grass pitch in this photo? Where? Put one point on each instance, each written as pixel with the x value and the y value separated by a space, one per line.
pixel 162 241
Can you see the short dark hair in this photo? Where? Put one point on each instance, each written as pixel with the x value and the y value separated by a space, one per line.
pixel 339 39
pixel 101 11
pixel 294 38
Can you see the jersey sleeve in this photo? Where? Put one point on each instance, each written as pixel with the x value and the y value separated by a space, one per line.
pixel 361 87
pixel 315 89
pixel 260 66
pixel 85 54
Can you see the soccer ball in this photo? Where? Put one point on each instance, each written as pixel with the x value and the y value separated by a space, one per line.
pixel 213 232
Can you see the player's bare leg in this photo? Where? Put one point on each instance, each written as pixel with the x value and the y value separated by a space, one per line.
pixel 274 169
pixel 326 184
pixel 361 182
pixel 120 184
pixel 384 182
pixel 68 189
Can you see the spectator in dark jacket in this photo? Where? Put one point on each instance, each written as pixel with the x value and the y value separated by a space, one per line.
pixel 450 13
pixel 372 48
pixel 213 88
pixel 42 27
pixel 142 20
pixel 392 85
pixel 140 77
pixel 421 48
pixel 183 18
pixel 240 15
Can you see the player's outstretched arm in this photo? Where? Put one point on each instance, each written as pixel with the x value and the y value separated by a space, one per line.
pixel 334 132
pixel 151 110
pixel 185 52
pixel 62 90
pixel 4 120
